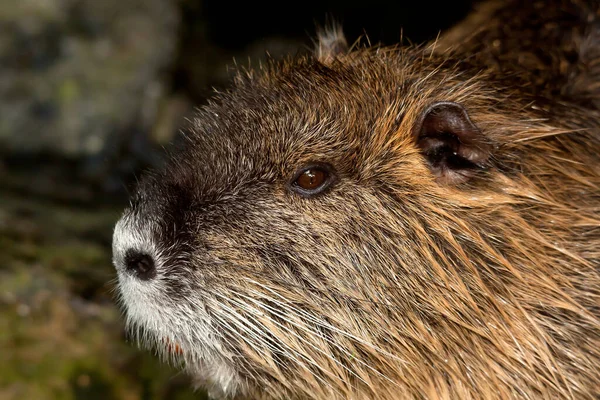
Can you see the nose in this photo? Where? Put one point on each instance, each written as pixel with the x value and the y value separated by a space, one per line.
pixel 140 265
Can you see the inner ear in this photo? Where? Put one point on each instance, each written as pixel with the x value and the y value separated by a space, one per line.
pixel 453 145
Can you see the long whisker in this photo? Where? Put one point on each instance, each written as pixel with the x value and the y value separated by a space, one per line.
pixel 329 341
pixel 290 321
pixel 254 311
pixel 329 326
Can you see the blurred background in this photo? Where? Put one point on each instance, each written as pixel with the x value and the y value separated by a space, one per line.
pixel 90 93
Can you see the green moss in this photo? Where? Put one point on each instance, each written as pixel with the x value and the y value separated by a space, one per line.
pixel 68 91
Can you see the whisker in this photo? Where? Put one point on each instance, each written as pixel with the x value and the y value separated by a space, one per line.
pixel 247 308
pixel 320 323
pixel 329 326
pixel 272 310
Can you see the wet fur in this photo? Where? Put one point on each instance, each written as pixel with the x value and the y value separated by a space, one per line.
pixel 391 285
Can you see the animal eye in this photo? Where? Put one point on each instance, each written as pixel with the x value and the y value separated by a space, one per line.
pixel 312 180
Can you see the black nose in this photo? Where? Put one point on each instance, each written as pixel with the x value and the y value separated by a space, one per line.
pixel 140 265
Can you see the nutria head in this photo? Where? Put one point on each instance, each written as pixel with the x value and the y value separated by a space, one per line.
pixel 372 224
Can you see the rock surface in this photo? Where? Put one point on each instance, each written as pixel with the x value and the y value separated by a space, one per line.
pixel 76 75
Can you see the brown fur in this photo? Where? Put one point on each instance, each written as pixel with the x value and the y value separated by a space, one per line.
pixel 394 285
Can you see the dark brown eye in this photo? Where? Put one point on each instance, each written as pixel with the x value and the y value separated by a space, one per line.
pixel 312 180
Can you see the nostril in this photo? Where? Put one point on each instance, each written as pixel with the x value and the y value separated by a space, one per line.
pixel 140 265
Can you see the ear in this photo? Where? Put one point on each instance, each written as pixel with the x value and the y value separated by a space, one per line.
pixel 330 43
pixel 454 147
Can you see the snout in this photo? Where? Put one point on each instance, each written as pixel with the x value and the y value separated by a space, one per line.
pixel 134 253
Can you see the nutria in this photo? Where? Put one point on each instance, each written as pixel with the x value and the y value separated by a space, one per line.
pixel 386 223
